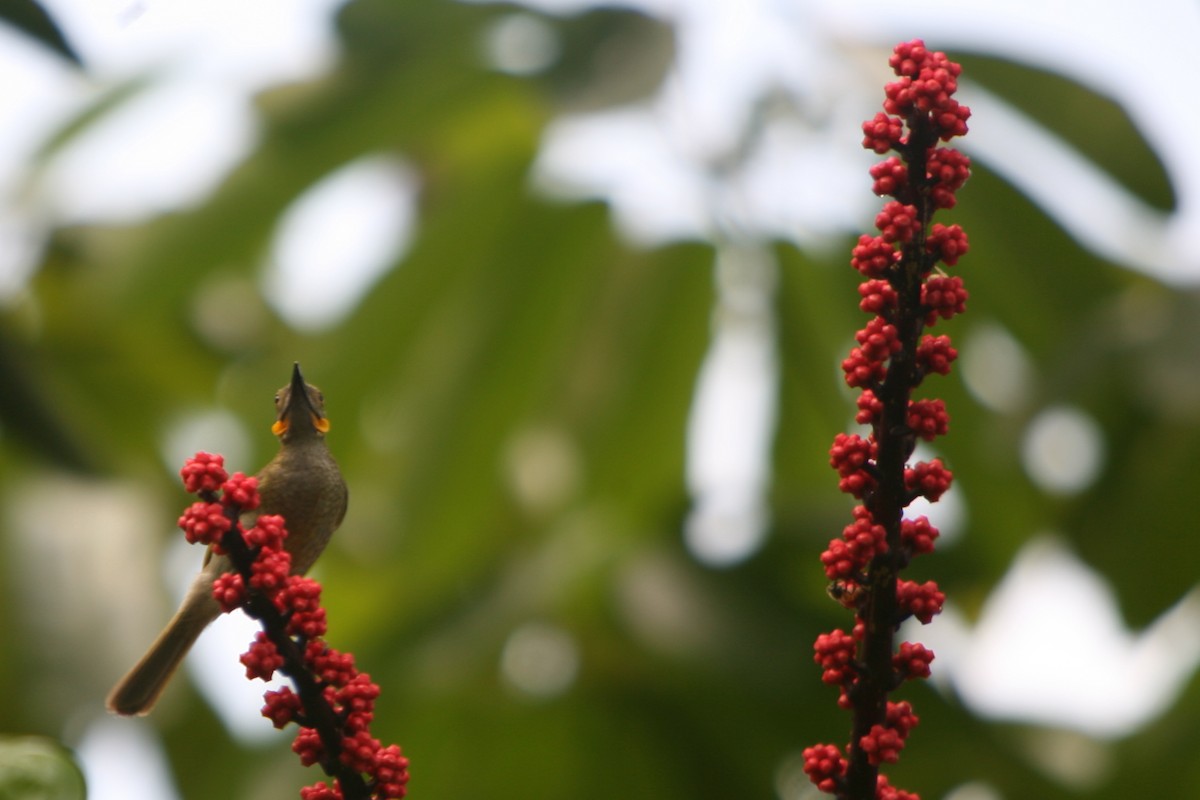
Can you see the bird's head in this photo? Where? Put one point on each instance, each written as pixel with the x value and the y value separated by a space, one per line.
pixel 300 409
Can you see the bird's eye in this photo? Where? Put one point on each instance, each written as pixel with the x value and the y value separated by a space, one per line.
pixel 277 396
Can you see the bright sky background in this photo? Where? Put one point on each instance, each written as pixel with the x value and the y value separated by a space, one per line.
pixel 655 162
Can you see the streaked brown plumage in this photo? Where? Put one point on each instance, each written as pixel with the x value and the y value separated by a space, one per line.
pixel 302 483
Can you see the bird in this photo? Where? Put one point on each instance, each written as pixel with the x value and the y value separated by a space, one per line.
pixel 303 484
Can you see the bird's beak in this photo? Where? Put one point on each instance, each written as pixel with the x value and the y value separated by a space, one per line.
pixel 299 409
pixel 298 390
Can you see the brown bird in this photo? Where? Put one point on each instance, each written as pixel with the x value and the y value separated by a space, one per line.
pixel 302 483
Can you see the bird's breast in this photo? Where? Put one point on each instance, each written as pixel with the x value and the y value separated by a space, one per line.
pixel 304 486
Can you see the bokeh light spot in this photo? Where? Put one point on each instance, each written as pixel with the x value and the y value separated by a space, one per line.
pixel 338 238
pixel 540 660
pixel 995 368
pixel 1063 450
pixel 521 44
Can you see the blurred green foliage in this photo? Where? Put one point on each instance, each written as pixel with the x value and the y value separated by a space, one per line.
pixel 33 768
pixel 514 315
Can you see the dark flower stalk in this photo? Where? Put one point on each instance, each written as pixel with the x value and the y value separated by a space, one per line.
pixel 333 703
pixel 905 292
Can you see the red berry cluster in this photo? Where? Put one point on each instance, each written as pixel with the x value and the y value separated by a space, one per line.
pixel 334 703
pixel 905 291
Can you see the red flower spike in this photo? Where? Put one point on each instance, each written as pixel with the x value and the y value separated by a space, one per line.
pixel 892 356
pixel 824 766
pixel 342 700
pixel 203 472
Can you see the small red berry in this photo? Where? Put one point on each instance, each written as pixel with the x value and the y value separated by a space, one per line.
pixel 307 745
pixel 873 255
pixel 928 479
pixel 922 600
pixel 241 491
pixel 897 223
pixel 268 531
pixel 824 765
pixel 229 590
pixel 882 132
pixel 918 534
pixel 878 296
pixel 204 523
pixel 203 472
pixel 912 661
pixel 928 418
pixel 282 706
pixel 262 659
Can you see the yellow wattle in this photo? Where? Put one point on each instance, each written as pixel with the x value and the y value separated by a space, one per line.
pixel 280 427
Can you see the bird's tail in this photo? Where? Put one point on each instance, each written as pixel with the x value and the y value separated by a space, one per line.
pixel 139 690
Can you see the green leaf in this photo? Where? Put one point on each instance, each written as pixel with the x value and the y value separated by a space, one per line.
pixel 34 21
